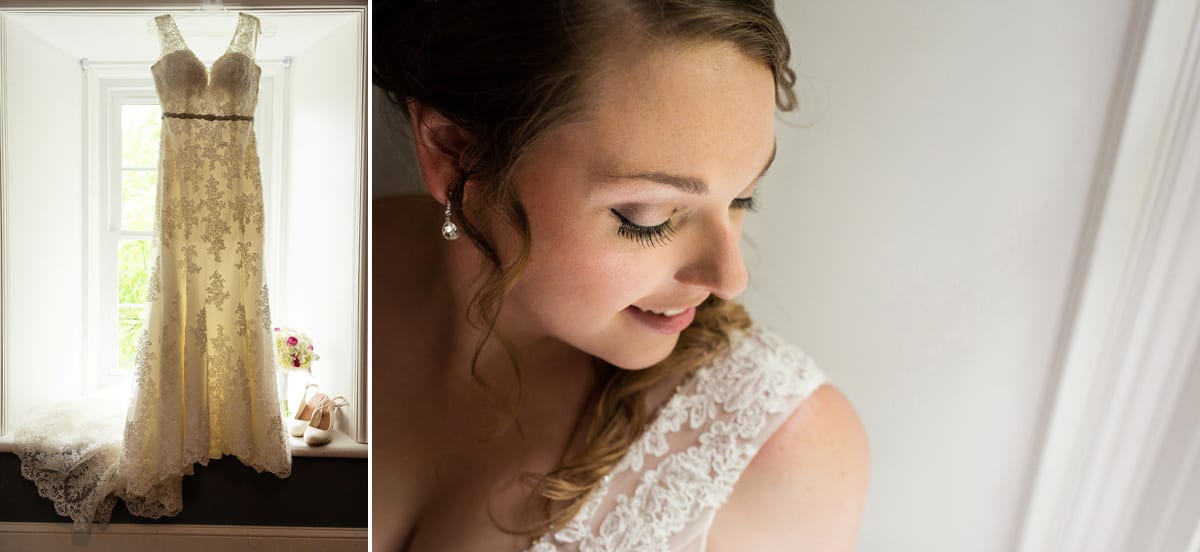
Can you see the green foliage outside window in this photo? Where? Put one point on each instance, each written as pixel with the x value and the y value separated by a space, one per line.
pixel 140 127
pixel 138 189
pixel 131 320
pixel 133 277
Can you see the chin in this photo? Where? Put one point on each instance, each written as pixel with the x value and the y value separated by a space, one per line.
pixel 631 355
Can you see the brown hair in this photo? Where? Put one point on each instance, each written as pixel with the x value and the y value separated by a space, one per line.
pixel 507 72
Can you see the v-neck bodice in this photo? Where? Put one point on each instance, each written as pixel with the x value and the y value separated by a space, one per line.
pixel 186 85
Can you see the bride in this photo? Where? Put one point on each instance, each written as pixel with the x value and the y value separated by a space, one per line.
pixel 559 363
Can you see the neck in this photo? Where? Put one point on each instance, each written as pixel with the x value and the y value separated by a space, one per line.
pixel 554 377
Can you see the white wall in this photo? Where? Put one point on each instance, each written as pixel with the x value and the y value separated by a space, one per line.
pixel 324 190
pixel 918 239
pixel 44 222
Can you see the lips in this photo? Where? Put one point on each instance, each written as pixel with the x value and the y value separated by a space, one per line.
pixel 663 321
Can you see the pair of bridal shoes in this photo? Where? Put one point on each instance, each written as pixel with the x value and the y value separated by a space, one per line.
pixel 314 419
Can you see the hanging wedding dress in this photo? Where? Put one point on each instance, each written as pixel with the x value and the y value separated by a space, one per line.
pixel 205 367
pixel 205 372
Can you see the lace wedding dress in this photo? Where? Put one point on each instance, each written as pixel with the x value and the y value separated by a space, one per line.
pixel 665 492
pixel 205 372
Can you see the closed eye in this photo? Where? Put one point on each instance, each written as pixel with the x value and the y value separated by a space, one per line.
pixel 744 203
pixel 648 236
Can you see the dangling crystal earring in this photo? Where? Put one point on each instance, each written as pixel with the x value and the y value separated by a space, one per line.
pixel 449 230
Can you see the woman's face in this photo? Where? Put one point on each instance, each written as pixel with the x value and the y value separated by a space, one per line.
pixel 640 208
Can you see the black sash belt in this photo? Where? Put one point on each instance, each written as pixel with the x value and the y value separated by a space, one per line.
pixel 208 117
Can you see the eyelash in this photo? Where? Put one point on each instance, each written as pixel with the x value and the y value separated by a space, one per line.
pixel 745 203
pixel 660 234
pixel 648 236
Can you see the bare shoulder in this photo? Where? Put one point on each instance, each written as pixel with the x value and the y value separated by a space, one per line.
pixel 806 488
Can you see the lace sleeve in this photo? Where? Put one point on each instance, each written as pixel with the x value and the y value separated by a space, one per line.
pixel 662 495
pixel 245 39
pixel 169 37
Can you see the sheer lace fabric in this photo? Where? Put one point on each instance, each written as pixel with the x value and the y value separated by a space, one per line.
pixel 205 373
pixel 71 449
pixel 664 493
pixel 244 40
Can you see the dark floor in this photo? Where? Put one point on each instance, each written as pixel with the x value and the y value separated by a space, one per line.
pixel 321 492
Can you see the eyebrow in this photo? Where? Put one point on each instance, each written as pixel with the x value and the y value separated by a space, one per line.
pixel 689 184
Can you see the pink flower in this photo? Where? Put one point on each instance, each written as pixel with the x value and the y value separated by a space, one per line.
pixel 276 328
pixel 296 361
pixel 310 347
pixel 292 340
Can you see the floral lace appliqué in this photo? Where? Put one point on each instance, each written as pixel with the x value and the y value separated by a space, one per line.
pixel 725 409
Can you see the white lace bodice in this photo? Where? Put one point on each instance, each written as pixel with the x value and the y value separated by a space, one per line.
pixel 664 494
pixel 186 85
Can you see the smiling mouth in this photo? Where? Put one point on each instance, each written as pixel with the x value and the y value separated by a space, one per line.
pixel 668 313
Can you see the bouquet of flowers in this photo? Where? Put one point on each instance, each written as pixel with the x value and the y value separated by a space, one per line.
pixel 294 350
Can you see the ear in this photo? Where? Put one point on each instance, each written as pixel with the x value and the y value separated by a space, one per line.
pixel 439 142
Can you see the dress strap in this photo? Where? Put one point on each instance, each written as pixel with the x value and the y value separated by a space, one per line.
pixel 169 36
pixel 245 38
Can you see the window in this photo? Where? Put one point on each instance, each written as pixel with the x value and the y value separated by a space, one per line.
pixel 131 227
pixel 122 143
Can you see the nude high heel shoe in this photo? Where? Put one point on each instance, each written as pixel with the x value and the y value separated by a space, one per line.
pixel 304 412
pixel 319 431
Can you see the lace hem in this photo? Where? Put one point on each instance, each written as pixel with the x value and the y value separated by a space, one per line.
pixel 163 497
pixel 72 451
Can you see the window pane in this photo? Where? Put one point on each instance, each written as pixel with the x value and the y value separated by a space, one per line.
pixel 131 320
pixel 138 189
pixel 133 270
pixel 139 135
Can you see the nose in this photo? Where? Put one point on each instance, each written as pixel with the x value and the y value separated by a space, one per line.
pixel 715 263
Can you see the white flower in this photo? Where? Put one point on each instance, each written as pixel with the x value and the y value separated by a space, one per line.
pixel 294 350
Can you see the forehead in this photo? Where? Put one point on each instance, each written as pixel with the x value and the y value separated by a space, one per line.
pixel 699 108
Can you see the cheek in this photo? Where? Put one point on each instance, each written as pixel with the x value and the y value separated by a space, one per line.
pixel 577 267
pixel 580 272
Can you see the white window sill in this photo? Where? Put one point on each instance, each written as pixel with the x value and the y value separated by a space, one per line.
pixel 341 447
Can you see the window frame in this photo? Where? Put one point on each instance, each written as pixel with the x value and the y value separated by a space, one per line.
pixel 108 226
